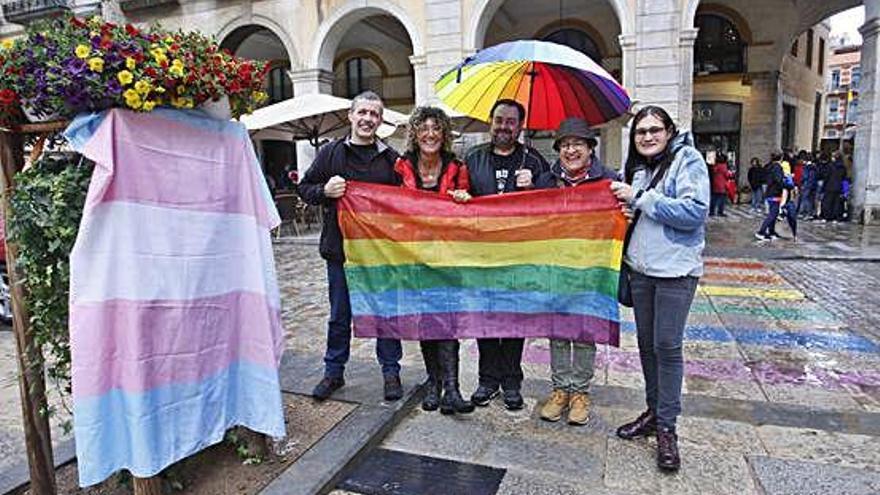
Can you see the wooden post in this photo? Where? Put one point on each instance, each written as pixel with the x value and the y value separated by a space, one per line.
pixel 148 486
pixel 31 383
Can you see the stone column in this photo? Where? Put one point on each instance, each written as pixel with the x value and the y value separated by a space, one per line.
pixel 424 87
pixel 686 40
pixel 761 113
pixel 657 78
pixel 866 164
pixel 306 82
pixel 443 44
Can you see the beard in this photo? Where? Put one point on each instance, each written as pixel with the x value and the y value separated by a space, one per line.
pixel 503 139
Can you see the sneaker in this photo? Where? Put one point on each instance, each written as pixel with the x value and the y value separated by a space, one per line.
pixel 327 386
pixel 579 409
pixel 555 405
pixel 393 388
pixel 513 400
pixel 483 395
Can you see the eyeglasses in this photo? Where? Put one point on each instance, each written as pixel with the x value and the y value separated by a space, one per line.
pixel 643 132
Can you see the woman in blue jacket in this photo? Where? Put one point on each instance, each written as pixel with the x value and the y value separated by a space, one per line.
pixel 664 256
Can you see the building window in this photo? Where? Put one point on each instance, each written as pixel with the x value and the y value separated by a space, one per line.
pixel 719 48
pixel 821 56
pixel 794 47
pixel 362 74
pixel 809 47
pixel 577 39
pixel 855 77
pixel 833 110
pixel 278 85
pixel 789 123
pixel 835 79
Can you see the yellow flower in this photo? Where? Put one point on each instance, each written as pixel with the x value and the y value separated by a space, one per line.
pixel 7 44
pixel 177 62
pixel 181 89
pixel 124 77
pixel 260 96
pixel 142 87
pixel 82 51
pixel 130 94
pixel 176 102
pixel 158 55
pixel 130 63
pixel 149 105
pixel 96 64
pixel 176 71
pixel 159 89
pixel 135 102
pixel 168 40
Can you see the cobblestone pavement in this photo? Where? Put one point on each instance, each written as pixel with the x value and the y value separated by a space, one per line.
pixel 774 330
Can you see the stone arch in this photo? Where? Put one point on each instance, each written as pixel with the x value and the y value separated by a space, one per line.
pixel 334 27
pixel 588 29
pixel 485 10
pixel 732 15
pixel 264 22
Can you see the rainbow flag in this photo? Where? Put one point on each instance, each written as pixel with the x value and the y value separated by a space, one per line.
pixel 532 264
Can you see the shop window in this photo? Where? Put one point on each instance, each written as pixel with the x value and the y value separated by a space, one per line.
pixel 809 47
pixel 719 48
pixel 278 85
pixel 577 39
pixel 362 74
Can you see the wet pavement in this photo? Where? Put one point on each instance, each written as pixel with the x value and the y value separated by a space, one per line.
pixel 781 391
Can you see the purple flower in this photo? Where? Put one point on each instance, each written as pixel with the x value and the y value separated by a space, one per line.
pixel 75 66
pixel 113 87
pixel 76 97
pixel 38 39
pixel 96 42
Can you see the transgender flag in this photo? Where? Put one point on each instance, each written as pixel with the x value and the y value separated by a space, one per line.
pixel 533 264
pixel 175 327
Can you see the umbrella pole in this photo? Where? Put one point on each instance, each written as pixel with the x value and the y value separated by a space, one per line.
pixel 532 74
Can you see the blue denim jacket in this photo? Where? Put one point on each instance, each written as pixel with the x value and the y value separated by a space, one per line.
pixel 669 238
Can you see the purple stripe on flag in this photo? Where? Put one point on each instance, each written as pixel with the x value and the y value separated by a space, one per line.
pixel 466 325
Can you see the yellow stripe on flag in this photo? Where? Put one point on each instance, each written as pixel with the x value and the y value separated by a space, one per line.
pixel 723 291
pixel 572 253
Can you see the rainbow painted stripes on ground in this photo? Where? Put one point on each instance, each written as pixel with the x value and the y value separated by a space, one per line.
pixel 533 264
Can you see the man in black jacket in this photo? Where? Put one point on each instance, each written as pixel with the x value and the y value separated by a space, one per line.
pixel 362 157
pixel 775 181
pixel 503 165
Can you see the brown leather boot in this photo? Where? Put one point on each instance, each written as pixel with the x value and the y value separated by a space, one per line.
pixel 643 426
pixel 668 458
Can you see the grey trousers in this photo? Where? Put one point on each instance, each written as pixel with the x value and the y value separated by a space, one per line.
pixel 571 364
pixel 661 307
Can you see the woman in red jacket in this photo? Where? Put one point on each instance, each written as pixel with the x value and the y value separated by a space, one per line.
pixel 429 164
pixel 720 175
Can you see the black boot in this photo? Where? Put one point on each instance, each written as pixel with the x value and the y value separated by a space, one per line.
pixel 452 401
pixel 431 401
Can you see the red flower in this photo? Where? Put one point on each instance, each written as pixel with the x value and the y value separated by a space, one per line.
pixel 76 21
pixel 7 96
pixel 234 86
pixel 151 72
pixel 131 30
pixel 106 44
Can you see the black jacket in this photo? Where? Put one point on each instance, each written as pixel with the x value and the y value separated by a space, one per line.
pixel 836 174
pixel 775 180
pixel 483 173
pixel 553 178
pixel 757 176
pixel 336 158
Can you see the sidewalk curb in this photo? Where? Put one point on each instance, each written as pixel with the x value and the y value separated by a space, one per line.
pixel 324 465
pixel 18 476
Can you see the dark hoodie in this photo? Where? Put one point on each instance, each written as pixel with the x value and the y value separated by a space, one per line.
pixel 554 178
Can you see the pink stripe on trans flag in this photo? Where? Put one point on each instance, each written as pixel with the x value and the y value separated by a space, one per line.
pixel 111 352
pixel 221 178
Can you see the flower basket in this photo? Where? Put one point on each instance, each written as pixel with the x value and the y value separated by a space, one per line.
pixel 67 65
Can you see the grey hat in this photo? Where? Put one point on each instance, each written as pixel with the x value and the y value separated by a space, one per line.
pixel 575 127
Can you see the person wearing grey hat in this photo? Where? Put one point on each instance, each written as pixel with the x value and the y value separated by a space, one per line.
pixel 576 143
pixel 571 363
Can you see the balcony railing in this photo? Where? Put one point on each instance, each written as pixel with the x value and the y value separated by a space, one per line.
pixel 27 11
pixel 132 5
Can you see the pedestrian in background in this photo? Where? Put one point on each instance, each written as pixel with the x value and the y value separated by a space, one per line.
pixel 832 204
pixel 666 193
pixel 721 174
pixel 756 184
pixel 775 184
pixel 807 201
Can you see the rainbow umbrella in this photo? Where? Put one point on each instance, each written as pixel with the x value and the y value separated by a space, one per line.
pixel 552 81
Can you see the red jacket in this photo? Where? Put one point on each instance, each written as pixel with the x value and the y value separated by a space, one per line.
pixel 720 174
pixel 454 176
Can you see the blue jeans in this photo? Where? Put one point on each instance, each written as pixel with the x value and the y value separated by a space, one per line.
pixel 388 351
pixel 758 198
pixel 661 307
pixel 768 228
